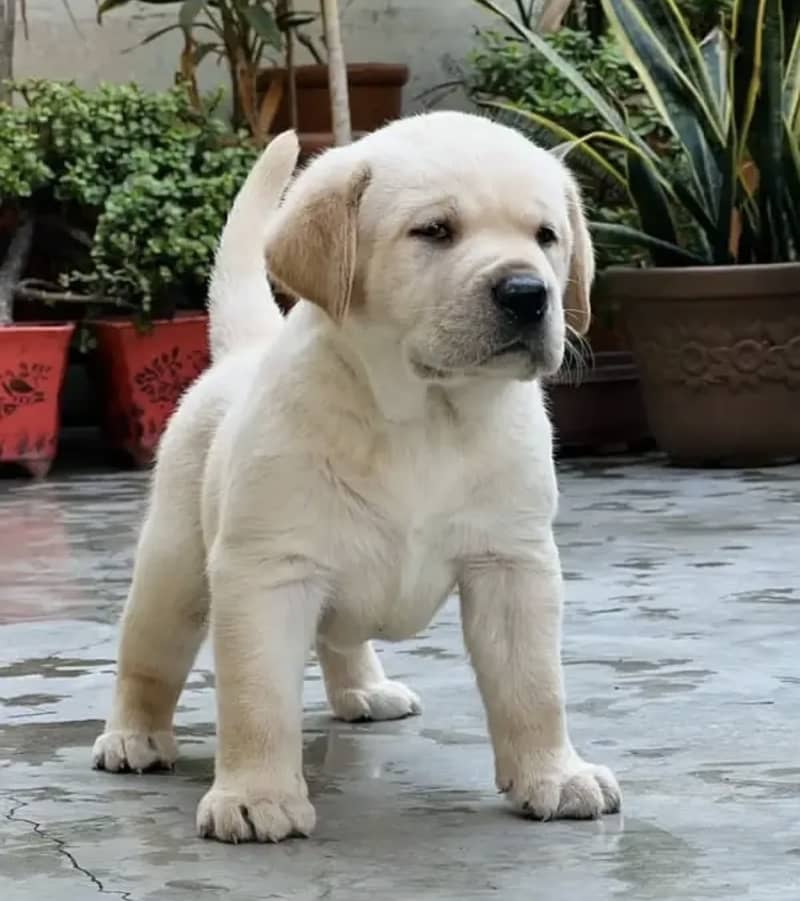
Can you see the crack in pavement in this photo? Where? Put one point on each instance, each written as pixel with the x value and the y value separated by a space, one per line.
pixel 61 847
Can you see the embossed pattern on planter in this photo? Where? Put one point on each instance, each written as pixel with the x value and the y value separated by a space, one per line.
pixel 740 356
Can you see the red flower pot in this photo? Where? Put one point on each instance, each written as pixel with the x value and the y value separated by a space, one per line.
pixel 144 376
pixel 33 359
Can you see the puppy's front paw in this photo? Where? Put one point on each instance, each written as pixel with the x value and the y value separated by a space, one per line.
pixel 122 751
pixel 385 700
pixel 564 788
pixel 254 812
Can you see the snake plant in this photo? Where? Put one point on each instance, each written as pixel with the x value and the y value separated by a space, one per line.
pixel 732 103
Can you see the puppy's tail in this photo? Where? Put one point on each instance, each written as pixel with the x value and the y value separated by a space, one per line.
pixel 241 307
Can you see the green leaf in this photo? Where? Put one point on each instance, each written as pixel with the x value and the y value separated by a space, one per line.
pixel 563 134
pixel 791 170
pixel 714 50
pixel 791 79
pixel 604 109
pixel 201 51
pixel 651 203
pixel 108 5
pixel 747 25
pixel 673 29
pixel 189 11
pixel 632 237
pixel 264 25
pixel 680 103
pixel 154 35
pixel 292 20
pixel 768 130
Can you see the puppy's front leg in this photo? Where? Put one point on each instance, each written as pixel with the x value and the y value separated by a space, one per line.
pixel 511 610
pixel 262 634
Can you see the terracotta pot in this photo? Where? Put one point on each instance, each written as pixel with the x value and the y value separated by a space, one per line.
pixel 376 96
pixel 604 412
pixel 718 351
pixel 145 375
pixel 312 143
pixel 9 217
pixel 33 358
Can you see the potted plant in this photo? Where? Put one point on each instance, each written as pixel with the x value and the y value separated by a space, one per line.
pixel 714 324
pixel 152 248
pixel 33 355
pixel 141 184
pixel 269 91
pixel 374 91
pixel 596 401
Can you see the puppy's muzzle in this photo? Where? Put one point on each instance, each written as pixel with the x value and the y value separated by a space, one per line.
pixel 523 298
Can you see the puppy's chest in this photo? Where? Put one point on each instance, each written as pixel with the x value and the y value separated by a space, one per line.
pixel 401 564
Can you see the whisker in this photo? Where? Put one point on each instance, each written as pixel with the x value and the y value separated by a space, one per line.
pixel 578 358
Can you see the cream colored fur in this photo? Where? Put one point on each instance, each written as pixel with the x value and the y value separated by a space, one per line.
pixel 336 475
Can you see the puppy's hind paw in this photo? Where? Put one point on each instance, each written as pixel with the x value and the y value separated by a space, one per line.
pixel 386 700
pixel 119 751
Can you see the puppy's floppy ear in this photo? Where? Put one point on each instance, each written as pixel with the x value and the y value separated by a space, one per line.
pixel 577 308
pixel 311 245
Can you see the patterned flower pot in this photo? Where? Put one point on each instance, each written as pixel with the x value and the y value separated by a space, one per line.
pixel 718 351
pixel 33 358
pixel 144 375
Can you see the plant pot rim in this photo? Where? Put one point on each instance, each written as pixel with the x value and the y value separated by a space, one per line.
pixel 126 322
pixel 38 327
pixel 315 75
pixel 755 280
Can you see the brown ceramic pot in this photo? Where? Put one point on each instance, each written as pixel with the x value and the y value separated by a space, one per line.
pixel 375 89
pixel 718 351
pixel 603 412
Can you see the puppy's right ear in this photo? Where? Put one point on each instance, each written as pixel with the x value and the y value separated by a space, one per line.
pixel 312 242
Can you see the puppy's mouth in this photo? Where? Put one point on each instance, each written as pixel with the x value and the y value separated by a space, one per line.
pixel 516 358
pixel 517 346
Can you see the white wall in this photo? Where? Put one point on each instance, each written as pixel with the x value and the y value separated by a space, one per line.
pixel 428 35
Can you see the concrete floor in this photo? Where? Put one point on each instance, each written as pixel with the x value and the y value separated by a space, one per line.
pixel 681 653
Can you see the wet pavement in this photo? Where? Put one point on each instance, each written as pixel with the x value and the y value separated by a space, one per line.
pixel 683 674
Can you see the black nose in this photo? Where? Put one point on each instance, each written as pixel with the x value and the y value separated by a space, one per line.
pixel 523 295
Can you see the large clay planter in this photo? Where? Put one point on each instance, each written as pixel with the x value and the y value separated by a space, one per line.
pixel 603 412
pixel 33 359
pixel 144 375
pixel 718 351
pixel 376 97
pixel 375 90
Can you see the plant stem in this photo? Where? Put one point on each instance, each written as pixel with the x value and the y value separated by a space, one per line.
pixel 284 9
pixel 13 266
pixel 35 289
pixel 337 74
pixel 8 17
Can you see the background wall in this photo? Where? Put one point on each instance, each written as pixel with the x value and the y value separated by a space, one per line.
pixel 431 36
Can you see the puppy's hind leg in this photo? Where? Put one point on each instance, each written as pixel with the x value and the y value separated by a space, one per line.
pixel 163 625
pixel 357 686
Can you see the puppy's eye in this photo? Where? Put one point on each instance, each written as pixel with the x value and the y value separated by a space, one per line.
pixel 546 236
pixel 437 232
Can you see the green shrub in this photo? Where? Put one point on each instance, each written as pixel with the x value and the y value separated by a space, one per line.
pixel 145 175
pixel 508 68
pixel 156 236
pixel 23 169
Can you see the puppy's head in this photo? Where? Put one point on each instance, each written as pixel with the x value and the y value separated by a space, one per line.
pixel 456 233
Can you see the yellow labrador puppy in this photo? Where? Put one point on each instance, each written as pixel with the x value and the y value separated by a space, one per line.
pixel 335 475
